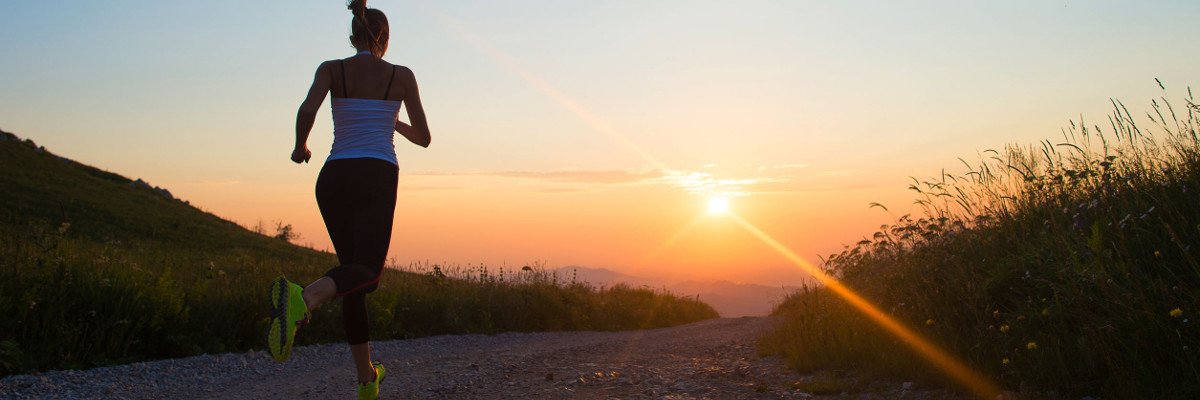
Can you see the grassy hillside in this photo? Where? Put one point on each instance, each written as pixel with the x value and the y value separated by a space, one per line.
pixel 101 207
pixel 1061 269
pixel 97 269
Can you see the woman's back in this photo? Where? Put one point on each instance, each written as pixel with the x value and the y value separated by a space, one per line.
pixel 365 77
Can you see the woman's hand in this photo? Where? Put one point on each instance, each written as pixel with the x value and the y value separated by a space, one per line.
pixel 301 155
pixel 411 134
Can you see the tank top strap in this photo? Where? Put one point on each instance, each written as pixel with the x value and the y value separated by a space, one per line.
pixel 389 86
pixel 342 65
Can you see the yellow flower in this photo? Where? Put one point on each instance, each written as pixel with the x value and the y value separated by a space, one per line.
pixel 996 314
pixel 1004 361
pixel 1157 254
pixel 1004 328
pixel 1176 312
pixel 929 322
pixel 1031 345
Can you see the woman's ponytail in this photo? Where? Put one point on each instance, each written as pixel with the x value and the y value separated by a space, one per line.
pixel 369 27
pixel 359 9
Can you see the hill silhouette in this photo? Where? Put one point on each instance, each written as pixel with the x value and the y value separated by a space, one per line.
pixel 41 188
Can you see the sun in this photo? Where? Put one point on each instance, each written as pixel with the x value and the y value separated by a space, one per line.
pixel 718 205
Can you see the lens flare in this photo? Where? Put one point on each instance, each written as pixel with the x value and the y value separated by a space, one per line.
pixel 954 368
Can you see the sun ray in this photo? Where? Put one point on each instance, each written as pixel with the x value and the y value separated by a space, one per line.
pixel 948 363
pixel 670 241
pixel 592 120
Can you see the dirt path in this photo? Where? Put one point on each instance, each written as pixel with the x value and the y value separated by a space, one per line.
pixel 709 359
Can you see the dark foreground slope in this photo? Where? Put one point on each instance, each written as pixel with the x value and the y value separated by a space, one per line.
pixel 98 269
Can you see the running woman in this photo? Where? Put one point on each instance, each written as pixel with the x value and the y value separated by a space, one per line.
pixel 356 189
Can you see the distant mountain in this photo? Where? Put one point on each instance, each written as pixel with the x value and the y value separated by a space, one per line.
pixel 603 277
pixel 735 299
pixel 728 298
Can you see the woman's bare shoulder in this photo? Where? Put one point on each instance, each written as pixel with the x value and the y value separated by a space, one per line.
pixel 402 69
pixel 326 65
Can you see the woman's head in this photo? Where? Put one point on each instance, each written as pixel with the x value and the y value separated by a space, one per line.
pixel 369 29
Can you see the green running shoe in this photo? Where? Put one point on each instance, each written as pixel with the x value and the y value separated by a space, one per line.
pixel 370 391
pixel 288 312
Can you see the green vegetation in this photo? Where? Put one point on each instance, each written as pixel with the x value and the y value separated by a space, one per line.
pixel 1062 269
pixel 96 269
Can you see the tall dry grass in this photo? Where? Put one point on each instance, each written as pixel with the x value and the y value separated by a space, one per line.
pixel 1068 267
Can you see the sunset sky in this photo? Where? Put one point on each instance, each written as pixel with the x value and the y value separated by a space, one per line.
pixel 590 133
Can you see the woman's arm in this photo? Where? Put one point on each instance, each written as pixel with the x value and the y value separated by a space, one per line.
pixel 308 112
pixel 418 132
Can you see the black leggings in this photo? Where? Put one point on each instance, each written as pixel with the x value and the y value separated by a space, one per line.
pixel 357 197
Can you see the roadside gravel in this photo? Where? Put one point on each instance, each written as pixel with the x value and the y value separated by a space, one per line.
pixel 709 359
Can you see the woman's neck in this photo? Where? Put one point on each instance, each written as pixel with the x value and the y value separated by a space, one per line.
pixel 364 52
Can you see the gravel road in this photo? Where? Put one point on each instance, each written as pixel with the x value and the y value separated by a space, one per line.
pixel 708 359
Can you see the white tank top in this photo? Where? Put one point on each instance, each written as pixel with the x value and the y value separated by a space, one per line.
pixel 364 128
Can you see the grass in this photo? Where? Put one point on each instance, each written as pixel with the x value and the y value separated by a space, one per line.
pixel 1066 268
pixel 96 269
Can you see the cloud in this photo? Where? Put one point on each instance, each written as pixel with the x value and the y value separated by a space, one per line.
pixel 562 190
pixel 707 181
pixel 708 184
pixel 607 177
pixel 796 187
pixel 600 177
pixel 403 188
pixel 218 183
pixel 784 166
pixel 840 172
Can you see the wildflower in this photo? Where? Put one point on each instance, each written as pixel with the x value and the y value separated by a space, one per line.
pixel 996 314
pixel 1157 254
pixel 1004 328
pixel 929 322
pixel 1004 361
pixel 1045 312
pixel 1020 318
pixel 1176 312
pixel 1031 345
